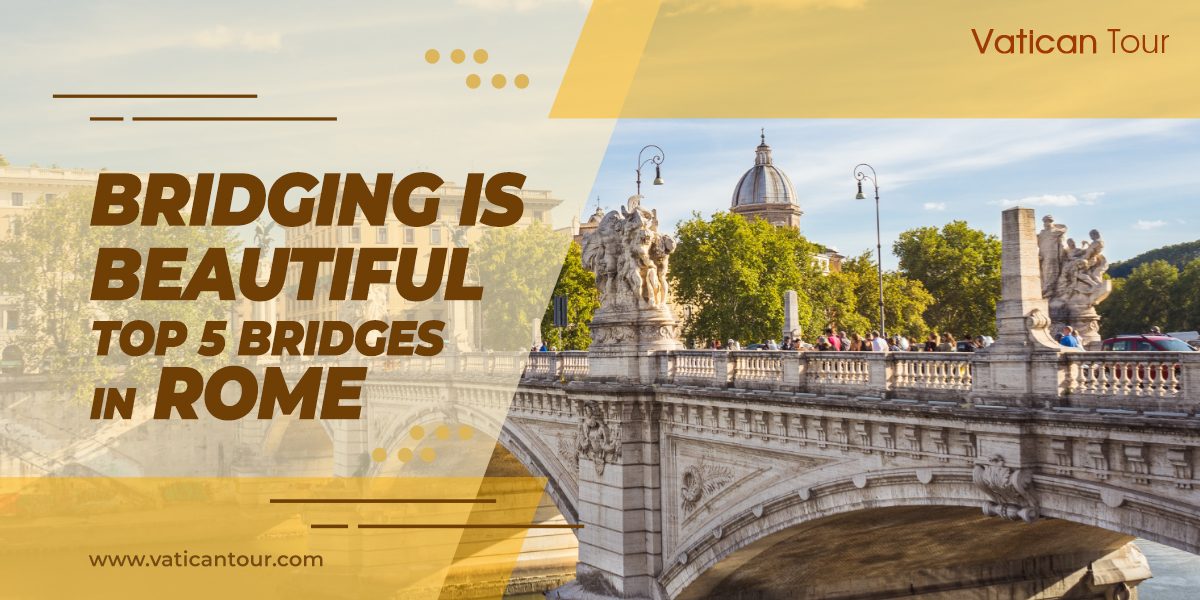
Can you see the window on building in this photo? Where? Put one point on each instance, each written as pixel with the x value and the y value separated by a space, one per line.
pixel 435 236
pixel 18 199
pixel 50 197
pixel 12 320
pixel 410 236
pixel 355 235
pixel 381 235
pixel 16 227
pixel 538 215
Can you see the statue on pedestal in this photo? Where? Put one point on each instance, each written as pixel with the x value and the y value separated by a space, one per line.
pixel 1073 279
pixel 629 257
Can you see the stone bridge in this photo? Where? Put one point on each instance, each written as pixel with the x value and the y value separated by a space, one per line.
pixel 1022 471
pixel 836 475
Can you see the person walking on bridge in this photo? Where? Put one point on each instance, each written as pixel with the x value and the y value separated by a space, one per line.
pixel 878 344
pixel 1069 339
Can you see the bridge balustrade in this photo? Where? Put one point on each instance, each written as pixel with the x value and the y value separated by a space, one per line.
pixel 1159 379
pixel 928 371
pixel 756 368
pixel 1148 381
pixel 541 365
pixel 854 373
pixel 574 365
pixel 1144 381
pixel 694 367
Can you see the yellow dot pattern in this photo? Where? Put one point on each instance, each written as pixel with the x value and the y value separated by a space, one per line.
pixel 480 56
pixel 418 433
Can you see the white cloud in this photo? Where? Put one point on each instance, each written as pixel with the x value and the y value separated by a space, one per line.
pixel 1145 225
pixel 519 5
pixel 1053 200
pixel 221 37
pixel 934 206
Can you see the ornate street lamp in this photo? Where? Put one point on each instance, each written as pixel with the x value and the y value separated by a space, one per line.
pixel 860 174
pixel 657 158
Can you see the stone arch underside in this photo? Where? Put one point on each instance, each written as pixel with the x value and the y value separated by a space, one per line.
pixel 520 438
pixel 543 461
pixel 295 447
pixel 899 537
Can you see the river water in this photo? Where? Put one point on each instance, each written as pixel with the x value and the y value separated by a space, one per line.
pixel 1176 573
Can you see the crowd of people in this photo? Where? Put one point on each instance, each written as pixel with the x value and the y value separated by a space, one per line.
pixel 832 340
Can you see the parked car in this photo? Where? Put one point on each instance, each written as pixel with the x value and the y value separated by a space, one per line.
pixel 1191 337
pixel 1146 342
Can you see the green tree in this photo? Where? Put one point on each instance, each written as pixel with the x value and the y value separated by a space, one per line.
pixel 1178 255
pixel 48 267
pixel 834 301
pixel 579 286
pixel 960 267
pixel 1186 315
pixel 734 273
pixel 1144 299
pixel 3 161
pixel 904 300
pixel 517 269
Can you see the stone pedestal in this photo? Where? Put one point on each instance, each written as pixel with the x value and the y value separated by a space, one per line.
pixel 624 343
pixel 1023 367
pixel 791 315
pixel 620 502
pixel 1085 321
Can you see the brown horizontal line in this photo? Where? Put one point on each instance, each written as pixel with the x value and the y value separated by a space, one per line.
pixel 161 96
pixel 329 526
pixel 233 118
pixel 106 118
pixel 466 526
pixel 383 501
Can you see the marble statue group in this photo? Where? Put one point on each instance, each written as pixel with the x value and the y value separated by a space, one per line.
pixel 629 257
pixel 1073 278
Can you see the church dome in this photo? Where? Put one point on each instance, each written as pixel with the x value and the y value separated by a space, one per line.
pixel 764 183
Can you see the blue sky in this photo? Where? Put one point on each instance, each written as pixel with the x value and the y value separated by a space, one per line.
pixel 1137 181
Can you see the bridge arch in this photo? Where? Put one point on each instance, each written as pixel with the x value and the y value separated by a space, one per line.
pixel 534 454
pixel 819 538
pixel 299 447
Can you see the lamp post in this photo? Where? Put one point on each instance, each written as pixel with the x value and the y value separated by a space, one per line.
pixel 860 173
pixel 657 158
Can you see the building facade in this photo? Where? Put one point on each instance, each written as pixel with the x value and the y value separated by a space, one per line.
pixel 462 315
pixel 22 189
